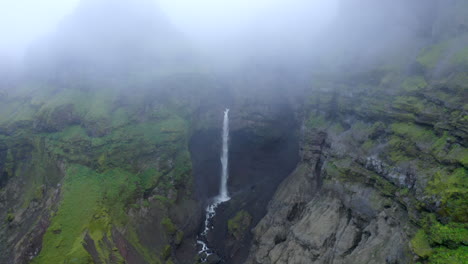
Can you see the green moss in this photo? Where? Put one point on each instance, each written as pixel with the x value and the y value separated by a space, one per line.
pixel 459 154
pixel 404 191
pixel 238 225
pixel 451 234
pixel 414 83
pixel 179 237
pixel 63 239
pixel 430 56
pixel 71 133
pixel 348 171
pixel 146 203
pixel 150 178
pixel 332 170
pixel 39 193
pixel 169 227
pixel 90 105
pixel 103 199
pixel 408 104
pixel 439 145
pixel 121 117
pixel 455 154
pixel 337 128
pixel 118 189
pixel 162 199
pixel 166 253
pixel 368 144
pixel 449 256
pixel 385 187
pixel 112 158
pixel 40 170
pixel 441 243
pixel 9 217
pixel 452 190
pixel 148 255
pixel 401 149
pixel 413 132
pixel 122 146
pixel 377 127
pixel 420 244
pixel 316 121
pixel 461 57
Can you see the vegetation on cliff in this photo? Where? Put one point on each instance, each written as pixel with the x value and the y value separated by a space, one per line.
pixel 95 164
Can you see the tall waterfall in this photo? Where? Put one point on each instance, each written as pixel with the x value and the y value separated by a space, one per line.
pixel 223 195
pixel 223 192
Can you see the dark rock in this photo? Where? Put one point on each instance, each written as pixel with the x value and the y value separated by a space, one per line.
pixel 310 222
pixel 90 246
pixel 392 174
pixel 56 119
pixel 213 259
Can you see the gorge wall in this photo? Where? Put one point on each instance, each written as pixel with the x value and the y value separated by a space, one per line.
pixel 341 160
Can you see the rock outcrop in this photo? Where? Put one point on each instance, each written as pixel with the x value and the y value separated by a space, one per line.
pixel 314 218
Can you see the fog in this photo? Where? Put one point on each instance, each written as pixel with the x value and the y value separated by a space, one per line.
pixel 229 19
pixel 326 32
pixel 23 22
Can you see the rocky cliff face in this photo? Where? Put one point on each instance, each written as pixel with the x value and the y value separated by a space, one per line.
pixel 368 175
pixel 382 176
pixel 94 158
pixel 364 187
pixel 352 166
pixel 317 218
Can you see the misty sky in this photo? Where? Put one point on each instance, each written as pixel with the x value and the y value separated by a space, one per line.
pixel 23 21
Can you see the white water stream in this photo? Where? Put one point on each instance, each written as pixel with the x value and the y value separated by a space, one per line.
pixel 223 195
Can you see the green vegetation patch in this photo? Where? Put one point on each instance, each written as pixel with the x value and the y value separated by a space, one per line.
pixel 238 225
pixel 460 154
pixel 430 56
pixel 89 104
pixel 64 237
pixel 352 173
pixel 449 256
pixel 169 226
pixel 413 132
pixel 452 190
pixel 441 243
pixel 414 83
pixel 438 148
pixel 461 57
pixel 409 104
pixel 401 149
pixel 91 203
pixel 148 255
pixel 420 244
pixel 316 121
pixel 122 146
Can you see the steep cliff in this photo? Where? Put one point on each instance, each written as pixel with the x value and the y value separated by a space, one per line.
pixel 360 158
pixel 94 159
pixel 383 170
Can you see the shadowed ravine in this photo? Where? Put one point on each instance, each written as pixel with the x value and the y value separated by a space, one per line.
pixel 223 195
pixel 257 164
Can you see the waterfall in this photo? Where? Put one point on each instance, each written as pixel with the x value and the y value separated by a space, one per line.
pixel 223 192
pixel 223 195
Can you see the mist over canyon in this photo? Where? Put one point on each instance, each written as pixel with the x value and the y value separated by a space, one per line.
pixel 234 131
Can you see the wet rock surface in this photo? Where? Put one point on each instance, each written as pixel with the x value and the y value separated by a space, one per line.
pixel 258 162
pixel 315 219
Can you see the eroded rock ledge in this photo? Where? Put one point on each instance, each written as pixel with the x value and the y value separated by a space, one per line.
pixel 314 217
